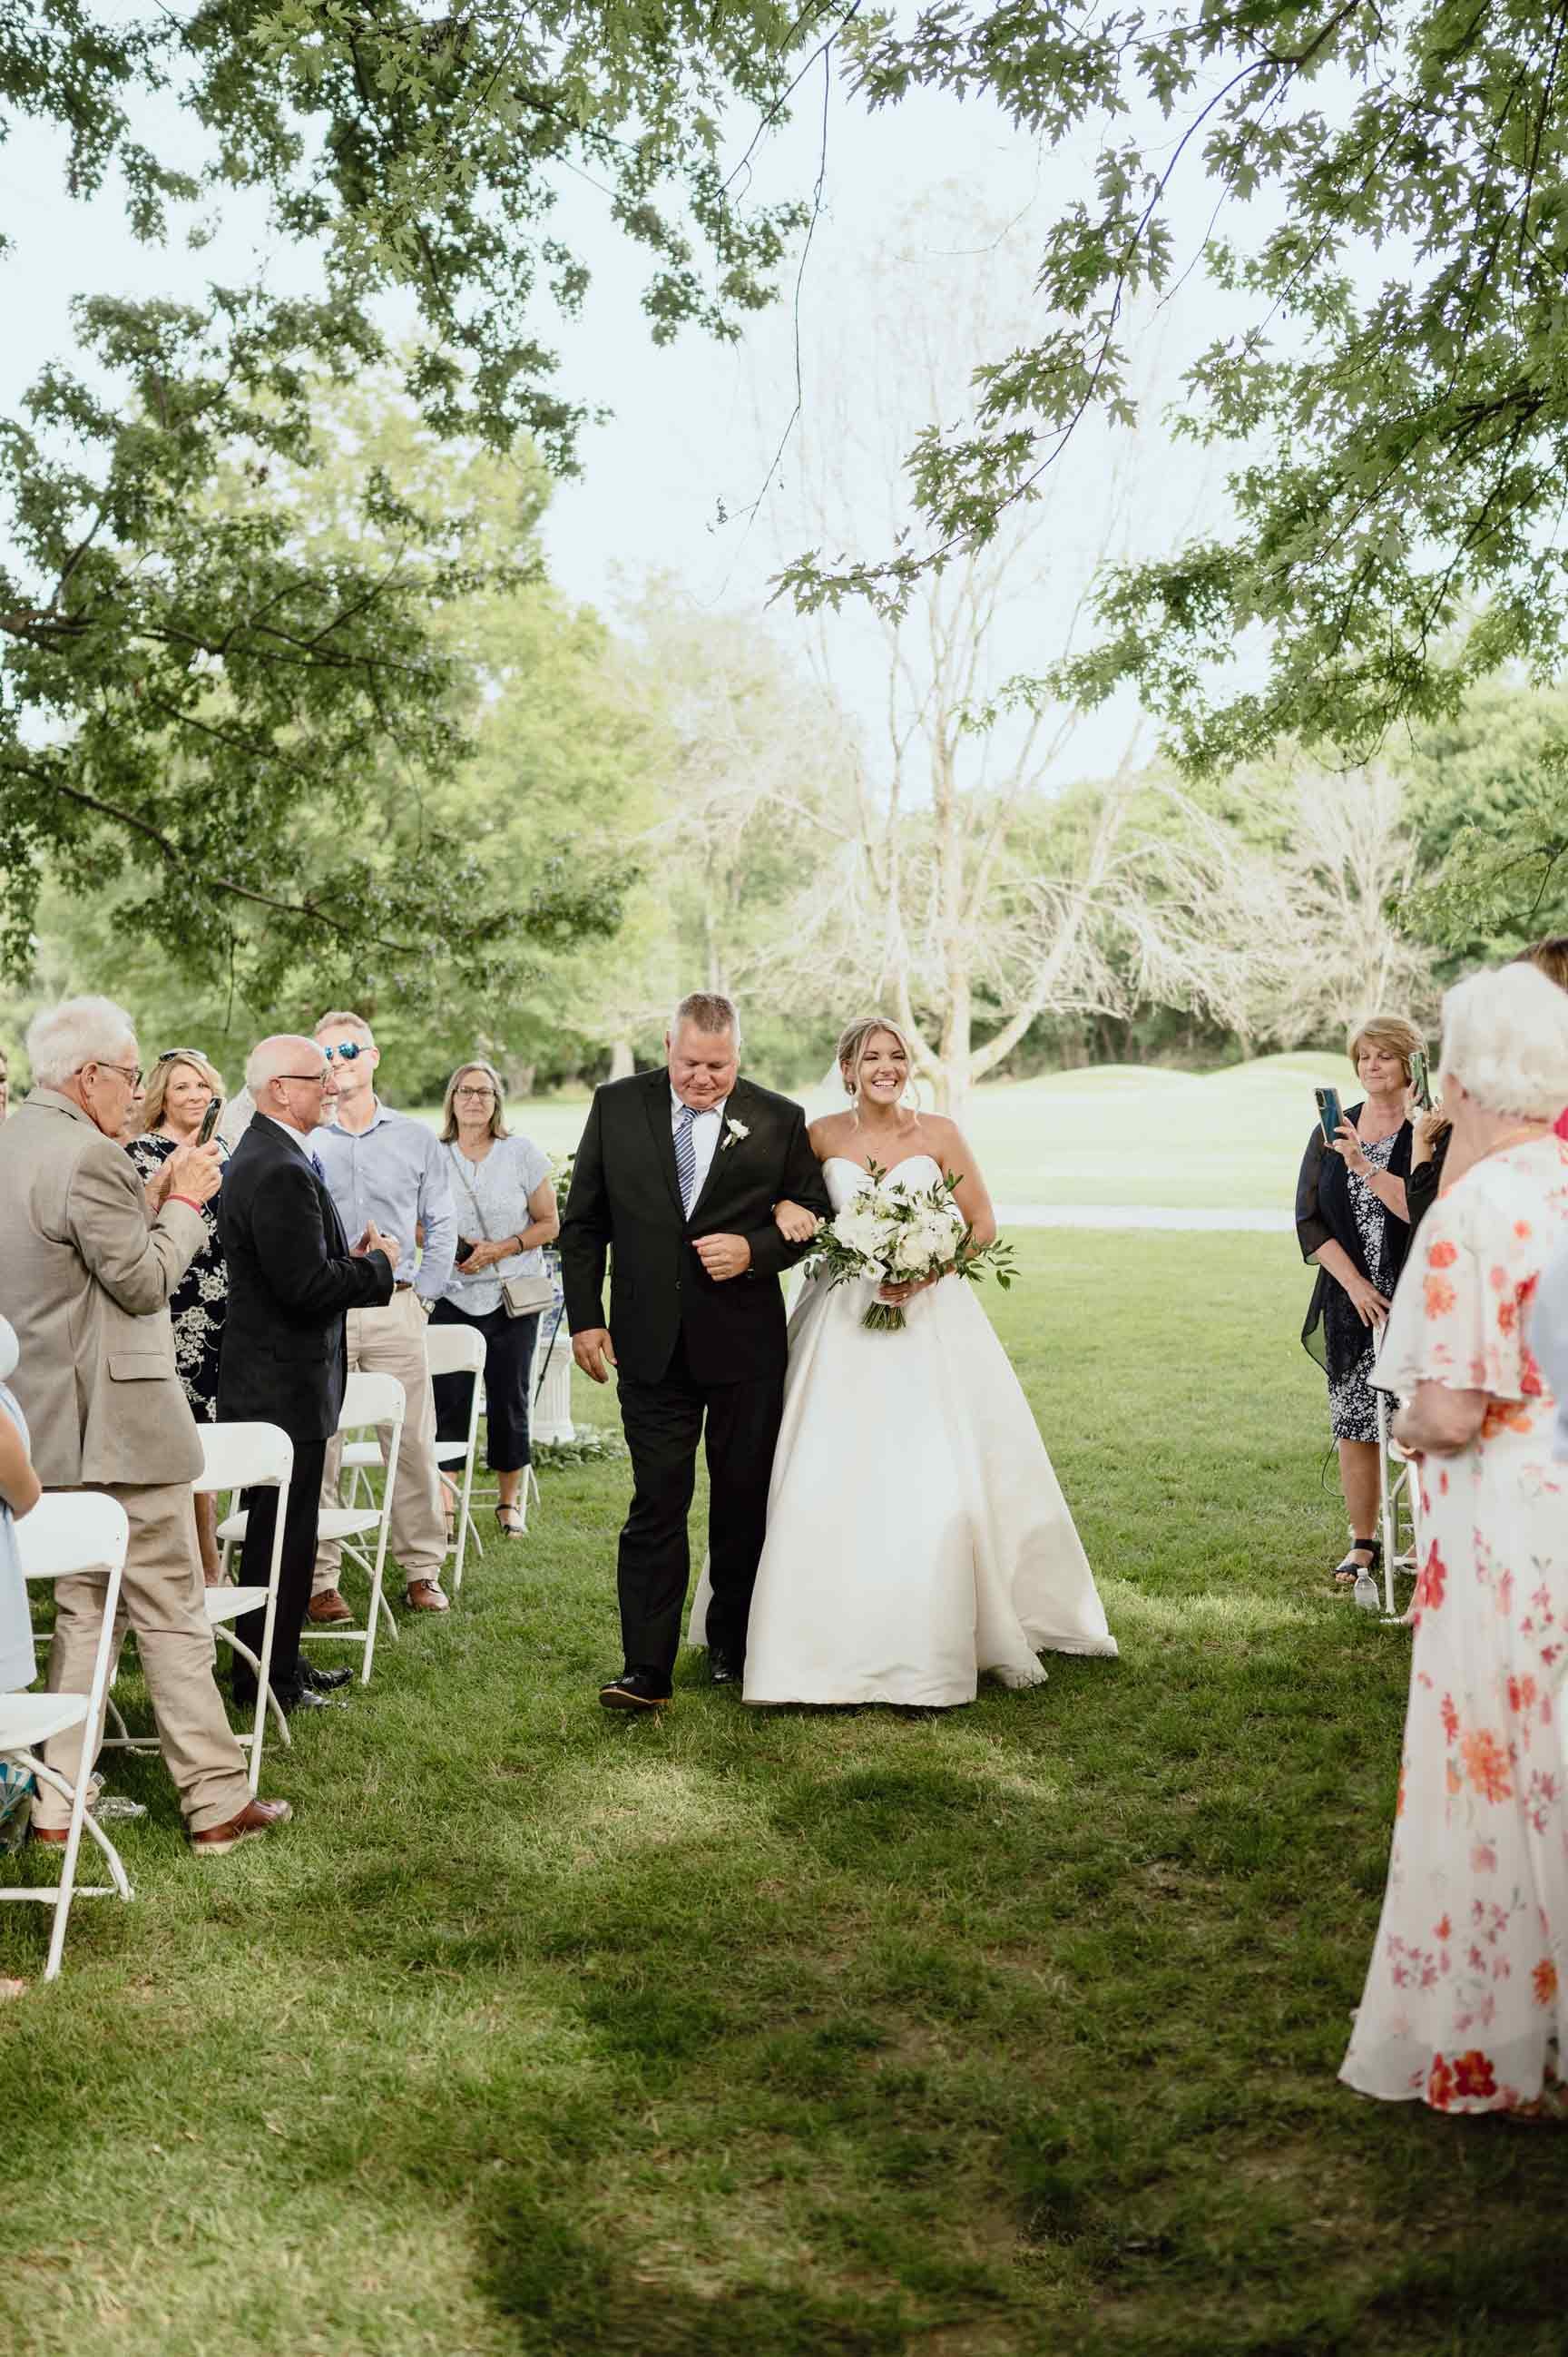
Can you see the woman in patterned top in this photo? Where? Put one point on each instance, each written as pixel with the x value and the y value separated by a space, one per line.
pixel 180 1087
pixel 1352 1221
pixel 1465 2005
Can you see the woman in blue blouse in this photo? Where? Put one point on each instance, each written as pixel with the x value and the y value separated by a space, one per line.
pixel 505 1200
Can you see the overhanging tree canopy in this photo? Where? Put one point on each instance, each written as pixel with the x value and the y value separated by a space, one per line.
pixel 1391 227
pixel 184 671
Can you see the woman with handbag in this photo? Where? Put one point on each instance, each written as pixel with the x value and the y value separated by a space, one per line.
pixel 505 1200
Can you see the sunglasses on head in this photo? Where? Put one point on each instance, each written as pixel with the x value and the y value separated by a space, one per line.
pixel 347 1050
pixel 194 1055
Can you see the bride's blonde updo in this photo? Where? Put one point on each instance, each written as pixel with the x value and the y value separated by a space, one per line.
pixel 852 1045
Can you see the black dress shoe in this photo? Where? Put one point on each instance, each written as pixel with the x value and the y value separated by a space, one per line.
pixel 324 1681
pixel 724 1670
pixel 634 1690
pixel 298 1699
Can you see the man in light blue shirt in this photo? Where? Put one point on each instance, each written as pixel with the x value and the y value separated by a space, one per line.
pixel 383 1167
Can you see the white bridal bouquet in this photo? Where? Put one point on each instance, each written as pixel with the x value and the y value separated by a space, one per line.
pixel 899 1235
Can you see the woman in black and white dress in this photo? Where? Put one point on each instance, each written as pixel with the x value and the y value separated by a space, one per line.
pixel 1352 1221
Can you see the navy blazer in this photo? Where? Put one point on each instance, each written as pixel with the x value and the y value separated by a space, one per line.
pixel 292 1279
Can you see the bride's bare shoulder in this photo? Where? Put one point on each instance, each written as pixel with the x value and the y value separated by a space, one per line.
pixel 827 1133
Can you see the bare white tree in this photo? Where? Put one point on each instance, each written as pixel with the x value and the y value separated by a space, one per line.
pixel 941 902
pixel 1351 862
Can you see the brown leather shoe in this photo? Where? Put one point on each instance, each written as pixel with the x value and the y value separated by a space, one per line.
pixel 326 1607
pixel 255 1817
pixel 427 1595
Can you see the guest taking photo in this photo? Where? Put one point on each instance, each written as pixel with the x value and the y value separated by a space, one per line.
pixel 1352 1222
pixel 505 1203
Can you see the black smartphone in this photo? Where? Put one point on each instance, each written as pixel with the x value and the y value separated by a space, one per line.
pixel 464 1252
pixel 210 1121
pixel 1421 1080
pixel 1328 1113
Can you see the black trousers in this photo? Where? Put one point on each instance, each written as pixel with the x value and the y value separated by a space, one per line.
pixel 663 1423
pixel 294 1571
pixel 508 1363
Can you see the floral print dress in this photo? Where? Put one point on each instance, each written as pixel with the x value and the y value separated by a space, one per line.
pixel 199 1302
pixel 1465 2005
pixel 1352 1411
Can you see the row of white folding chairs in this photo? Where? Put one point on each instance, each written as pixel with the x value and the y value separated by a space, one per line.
pixel 78 1530
pixel 448 1350
pixel 252 1456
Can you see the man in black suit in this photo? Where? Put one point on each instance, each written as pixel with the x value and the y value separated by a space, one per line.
pixel 292 1276
pixel 676 1178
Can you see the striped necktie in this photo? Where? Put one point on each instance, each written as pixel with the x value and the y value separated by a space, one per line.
pixel 686 1158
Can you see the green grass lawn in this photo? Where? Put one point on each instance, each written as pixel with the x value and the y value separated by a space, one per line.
pixel 1008 2031
pixel 1114 1135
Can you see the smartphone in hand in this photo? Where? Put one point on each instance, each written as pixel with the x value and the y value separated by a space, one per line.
pixel 209 1120
pixel 1328 1113
pixel 1421 1080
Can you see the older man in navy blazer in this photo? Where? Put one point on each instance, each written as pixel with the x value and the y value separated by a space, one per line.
pixel 293 1277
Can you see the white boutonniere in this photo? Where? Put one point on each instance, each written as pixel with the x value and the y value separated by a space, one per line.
pixel 734 1132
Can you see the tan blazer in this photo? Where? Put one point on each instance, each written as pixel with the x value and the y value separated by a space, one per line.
pixel 86 1283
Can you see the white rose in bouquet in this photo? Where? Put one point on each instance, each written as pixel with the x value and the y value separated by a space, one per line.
pixel 858 1229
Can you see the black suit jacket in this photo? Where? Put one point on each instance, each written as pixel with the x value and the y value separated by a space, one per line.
pixel 291 1280
pixel 626 1201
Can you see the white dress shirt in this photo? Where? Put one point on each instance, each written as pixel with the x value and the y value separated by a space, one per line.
pixel 706 1128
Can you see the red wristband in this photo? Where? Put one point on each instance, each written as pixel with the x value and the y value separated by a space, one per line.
pixel 183 1198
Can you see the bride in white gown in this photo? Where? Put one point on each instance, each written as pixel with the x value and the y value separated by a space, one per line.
pixel 917 1537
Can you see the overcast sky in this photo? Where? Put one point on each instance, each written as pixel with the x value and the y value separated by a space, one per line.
pixel 696 424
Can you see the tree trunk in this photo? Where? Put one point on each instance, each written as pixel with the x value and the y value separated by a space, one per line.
pixel 622 1062
pixel 953 1070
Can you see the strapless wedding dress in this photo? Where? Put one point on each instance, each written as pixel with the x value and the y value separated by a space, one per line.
pixel 917 1537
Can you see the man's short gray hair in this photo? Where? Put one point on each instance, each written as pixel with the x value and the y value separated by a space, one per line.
pixel 707 1010
pixel 269 1059
pixel 78 1031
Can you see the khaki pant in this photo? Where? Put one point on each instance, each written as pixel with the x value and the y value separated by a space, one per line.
pixel 390 1342
pixel 163 1598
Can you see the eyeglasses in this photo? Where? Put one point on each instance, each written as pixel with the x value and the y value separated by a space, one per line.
pixel 317 1079
pixel 130 1072
pixel 345 1048
pixel 473 1092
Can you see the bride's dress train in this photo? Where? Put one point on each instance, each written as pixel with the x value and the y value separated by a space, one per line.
pixel 917 1537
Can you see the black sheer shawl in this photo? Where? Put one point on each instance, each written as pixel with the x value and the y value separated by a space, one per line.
pixel 1333 1334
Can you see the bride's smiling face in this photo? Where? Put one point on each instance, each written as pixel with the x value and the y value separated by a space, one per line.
pixel 882 1071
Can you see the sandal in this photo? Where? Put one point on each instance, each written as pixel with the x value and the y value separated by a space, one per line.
pixel 1349 1570
pixel 510 1530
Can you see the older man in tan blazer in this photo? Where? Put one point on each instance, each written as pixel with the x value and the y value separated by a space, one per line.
pixel 86 1284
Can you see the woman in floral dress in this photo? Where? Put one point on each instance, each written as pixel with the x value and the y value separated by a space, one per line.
pixel 180 1087
pixel 1465 2005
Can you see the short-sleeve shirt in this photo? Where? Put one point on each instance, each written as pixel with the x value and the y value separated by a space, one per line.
pixel 1462 1313
pixel 490 1199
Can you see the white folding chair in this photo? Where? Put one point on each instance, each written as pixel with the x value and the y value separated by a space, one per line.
pixel 459 1350
pixel 239 1457
pixel 378 1401
pixel 1396 1496
pixel 249 1457
pixel 68 1532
